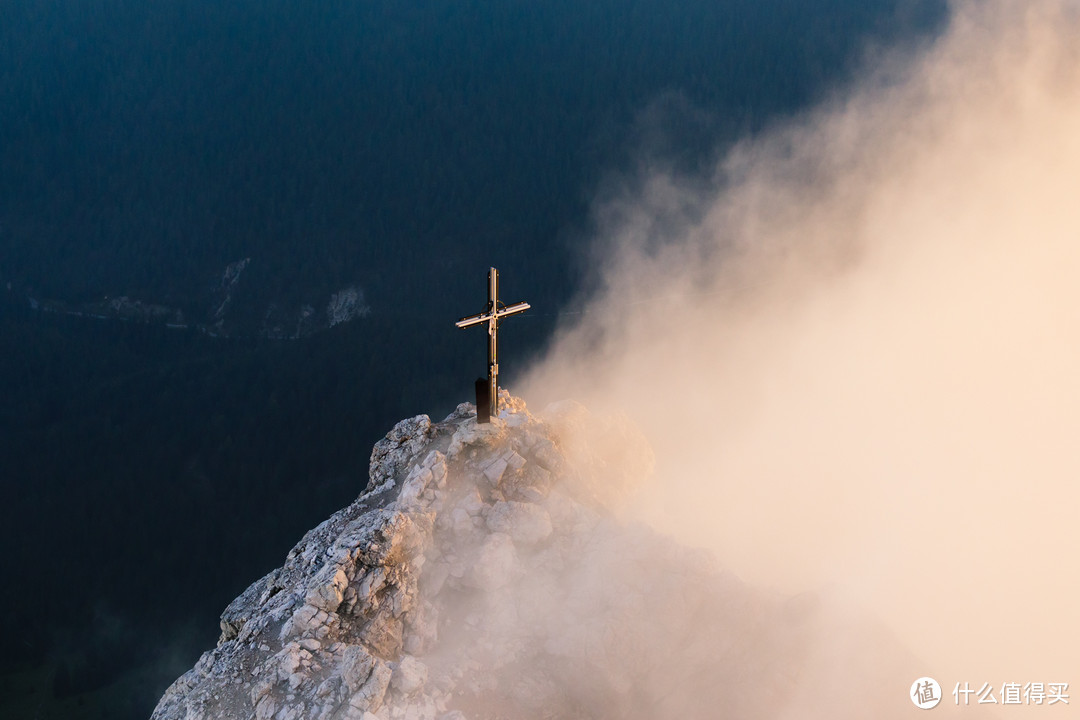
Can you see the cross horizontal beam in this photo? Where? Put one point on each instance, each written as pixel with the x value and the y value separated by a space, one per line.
pixel 488 315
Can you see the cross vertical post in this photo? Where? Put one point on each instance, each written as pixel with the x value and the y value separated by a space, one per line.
pixel 492 314
pixel 493 342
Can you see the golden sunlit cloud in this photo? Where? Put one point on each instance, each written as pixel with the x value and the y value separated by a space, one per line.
pixel 855 351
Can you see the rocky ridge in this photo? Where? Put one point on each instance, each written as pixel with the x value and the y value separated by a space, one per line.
pixel 483 574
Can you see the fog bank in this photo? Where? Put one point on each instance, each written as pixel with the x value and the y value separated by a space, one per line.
pixel 854 348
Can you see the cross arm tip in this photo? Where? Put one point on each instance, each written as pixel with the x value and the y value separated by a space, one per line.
pixel 470 321
pixel 515 308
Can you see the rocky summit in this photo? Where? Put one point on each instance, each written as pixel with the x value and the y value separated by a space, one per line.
pixel 485 573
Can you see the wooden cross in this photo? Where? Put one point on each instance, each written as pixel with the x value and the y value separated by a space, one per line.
pixel 487 394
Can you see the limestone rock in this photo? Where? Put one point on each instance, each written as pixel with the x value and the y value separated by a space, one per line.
pixel 484 573
pixel 494 563
pixel 409 676
pixel 525 522
pixel 398 448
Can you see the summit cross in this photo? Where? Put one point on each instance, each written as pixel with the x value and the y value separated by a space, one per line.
pixel 487 394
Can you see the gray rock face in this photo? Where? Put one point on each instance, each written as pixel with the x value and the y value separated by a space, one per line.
pixel 482 575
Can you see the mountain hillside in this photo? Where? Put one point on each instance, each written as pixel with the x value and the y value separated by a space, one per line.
pixel 484 573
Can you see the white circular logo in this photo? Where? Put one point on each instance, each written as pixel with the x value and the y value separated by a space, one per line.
pixel 925 693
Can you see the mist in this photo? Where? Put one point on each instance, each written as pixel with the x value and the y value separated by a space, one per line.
pixel 853 347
